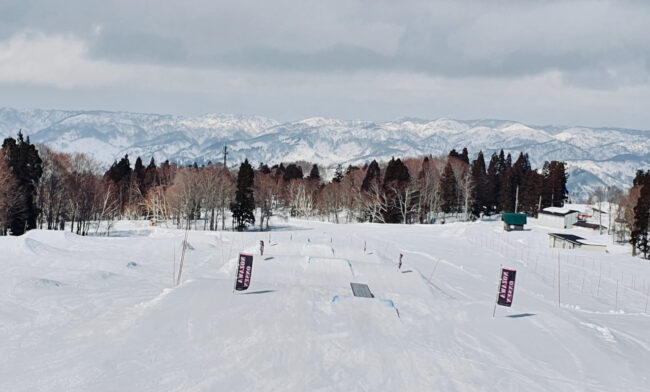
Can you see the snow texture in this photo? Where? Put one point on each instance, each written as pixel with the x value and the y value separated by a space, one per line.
pixel 101 313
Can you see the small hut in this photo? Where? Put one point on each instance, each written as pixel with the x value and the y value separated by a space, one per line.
pixel 513 221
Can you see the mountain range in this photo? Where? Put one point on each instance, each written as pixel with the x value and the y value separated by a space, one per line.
pixel 595 156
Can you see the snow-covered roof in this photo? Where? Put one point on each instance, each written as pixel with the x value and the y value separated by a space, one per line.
pixel 557 211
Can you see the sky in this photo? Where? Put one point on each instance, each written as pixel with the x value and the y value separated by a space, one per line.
pixel 540 62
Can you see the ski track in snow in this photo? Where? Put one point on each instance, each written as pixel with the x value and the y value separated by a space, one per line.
pixel 102 314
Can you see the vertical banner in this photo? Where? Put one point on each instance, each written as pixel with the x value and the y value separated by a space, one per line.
pixel 506 287
pixel 244 272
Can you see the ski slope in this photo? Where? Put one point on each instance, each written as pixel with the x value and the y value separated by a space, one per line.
pixel 102 314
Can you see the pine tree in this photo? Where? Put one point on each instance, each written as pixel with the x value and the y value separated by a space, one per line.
pixel 555 192
pixel 244 205
pixel 150 177
pixel 120 174
pixel 396 179
pixel 493 187
pixel 448 189
pixel 479 197
pixel 507 194
pixel 292 172
pixel 314 174
pixel 464 156
pixel 139 172
pixel 26 165
pixel 279 171
pixel 264 169
pixel 373 175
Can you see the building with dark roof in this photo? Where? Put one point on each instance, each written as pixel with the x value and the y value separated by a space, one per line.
pixel 570 241
pixel 592 226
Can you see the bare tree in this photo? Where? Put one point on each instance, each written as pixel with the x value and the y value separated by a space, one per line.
pixel 330 201
pixel 598 196
pixel 463 182
pixel 52 192
pixel 375 203
pixel 301 197
pixel 615 199
pixel 266 195
pixel 156 204
pixel 430 191
pixel 350 195
pixel 185 196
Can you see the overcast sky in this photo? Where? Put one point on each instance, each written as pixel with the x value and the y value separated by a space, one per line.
pixel 540 62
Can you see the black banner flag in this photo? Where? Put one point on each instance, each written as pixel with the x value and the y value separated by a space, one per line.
pixel 506 287
pixel 244 272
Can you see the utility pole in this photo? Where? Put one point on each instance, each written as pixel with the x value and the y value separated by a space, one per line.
pixel 516 199
pixel 223 206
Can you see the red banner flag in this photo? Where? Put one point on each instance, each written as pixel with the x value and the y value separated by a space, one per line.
pixel 506 287
pixel 244 272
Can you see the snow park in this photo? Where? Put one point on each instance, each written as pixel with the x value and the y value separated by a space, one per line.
pixel 327 196
pixel 117 313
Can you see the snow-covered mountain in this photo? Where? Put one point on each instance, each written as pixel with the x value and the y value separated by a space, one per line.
pixel 596 156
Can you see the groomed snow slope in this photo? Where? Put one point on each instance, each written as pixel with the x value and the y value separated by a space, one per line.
pixel 100 314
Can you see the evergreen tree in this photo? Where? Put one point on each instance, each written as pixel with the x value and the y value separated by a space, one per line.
pixel 493 186
pixel 139 172
pixel 27 168
pixel 464 156
pixel 479 197
pixel 507 192
pixel 244 205
pixel 150 177
pixel 120 174
pixel 373 175
pixel 396 179
pixel 448 189
pixel 555 192
pixel 292 172
pixel 314 174
pixel 641 178
pixel 264 169
pixel 396 171
pixel 279 171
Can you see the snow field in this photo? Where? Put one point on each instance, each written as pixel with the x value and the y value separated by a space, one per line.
pixel 97 313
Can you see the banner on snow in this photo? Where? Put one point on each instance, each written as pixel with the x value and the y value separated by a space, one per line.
pixel 244 272
pixel 506 287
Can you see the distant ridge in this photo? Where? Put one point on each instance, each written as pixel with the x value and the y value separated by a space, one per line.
pixel 595 156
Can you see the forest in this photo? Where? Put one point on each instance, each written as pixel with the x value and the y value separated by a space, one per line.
pixel 45 189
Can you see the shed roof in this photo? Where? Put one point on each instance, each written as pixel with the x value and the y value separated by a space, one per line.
pixel 514 219
pixel 594 226
pixel 574 239
pixel 557 211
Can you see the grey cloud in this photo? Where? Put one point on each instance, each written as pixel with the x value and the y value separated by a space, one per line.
pixel 444 38
pixel 139 47
pixel 301 57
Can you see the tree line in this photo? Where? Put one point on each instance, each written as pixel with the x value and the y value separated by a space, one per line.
pixel 41 188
